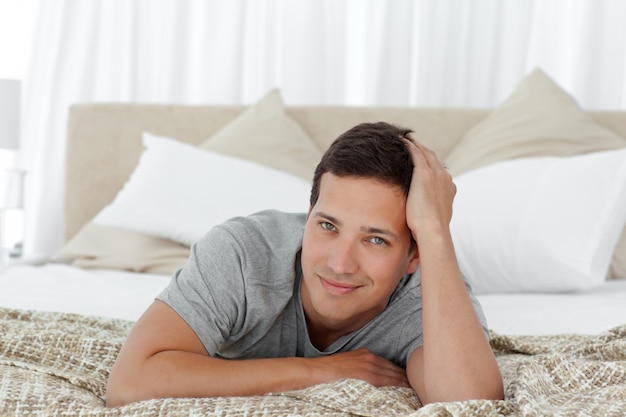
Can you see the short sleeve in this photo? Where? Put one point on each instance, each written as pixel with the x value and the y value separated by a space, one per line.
pixel 208 292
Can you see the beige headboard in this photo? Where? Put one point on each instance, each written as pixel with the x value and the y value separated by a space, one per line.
pixel 104 140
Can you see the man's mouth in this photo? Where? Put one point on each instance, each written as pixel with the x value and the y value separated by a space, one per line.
pixel 338 288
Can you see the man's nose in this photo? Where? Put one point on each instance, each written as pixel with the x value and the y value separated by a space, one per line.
pixel 343 257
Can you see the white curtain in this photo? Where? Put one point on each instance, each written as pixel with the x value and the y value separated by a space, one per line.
pixel 353 52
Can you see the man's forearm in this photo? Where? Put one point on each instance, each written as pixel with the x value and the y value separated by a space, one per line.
pixel 458 362
pixel 163 357
pixel 455 361
pixel 185 374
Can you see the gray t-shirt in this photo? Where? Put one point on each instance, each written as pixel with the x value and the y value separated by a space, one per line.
pixel 240 292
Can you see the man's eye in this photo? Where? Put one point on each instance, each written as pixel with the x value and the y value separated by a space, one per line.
pixel 378 241
pixel 328 226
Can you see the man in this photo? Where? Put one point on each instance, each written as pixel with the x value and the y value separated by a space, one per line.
pixel 366 285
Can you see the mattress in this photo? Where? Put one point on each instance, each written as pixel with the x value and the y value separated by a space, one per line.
pixel 590 312
pixel 62 288
pixel 561 374
pixel 125 295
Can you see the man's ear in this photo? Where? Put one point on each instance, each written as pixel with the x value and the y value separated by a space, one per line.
pixel 414 261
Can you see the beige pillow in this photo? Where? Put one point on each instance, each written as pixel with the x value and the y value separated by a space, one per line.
pixel 96 246
pixel 266 134
pixel 539 119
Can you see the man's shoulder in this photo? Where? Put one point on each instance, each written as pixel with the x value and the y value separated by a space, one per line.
pixel 266 234
pixel 269 224
pixel 269 242
pixel 275 219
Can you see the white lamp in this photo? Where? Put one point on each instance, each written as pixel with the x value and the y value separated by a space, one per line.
pixel 9 114
pixel 11 179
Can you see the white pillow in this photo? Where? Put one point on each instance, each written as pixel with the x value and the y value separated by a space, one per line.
pixel 544 224
pixel 179 191
pixel 539 119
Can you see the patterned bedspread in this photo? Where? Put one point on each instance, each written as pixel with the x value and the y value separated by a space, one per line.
pixel 57 365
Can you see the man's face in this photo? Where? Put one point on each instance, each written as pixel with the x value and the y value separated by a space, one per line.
pixel 355 251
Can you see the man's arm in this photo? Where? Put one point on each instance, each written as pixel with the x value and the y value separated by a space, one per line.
pixel 456 361
pixel 163 357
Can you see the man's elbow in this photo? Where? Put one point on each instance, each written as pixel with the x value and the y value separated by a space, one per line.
pixel 493 390
pixel 115 392
pixel 122 388
pixel 114 397
pixel 496 392
pixel 492 387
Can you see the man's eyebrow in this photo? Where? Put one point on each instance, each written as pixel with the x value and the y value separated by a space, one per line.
pixel 379 231
pixel 366 229
pixel 327 217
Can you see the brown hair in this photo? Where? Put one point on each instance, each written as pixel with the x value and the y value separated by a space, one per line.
pixel 368 150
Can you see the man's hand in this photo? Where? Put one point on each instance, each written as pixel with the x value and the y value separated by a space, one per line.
pixel 432 191
pixel 361 364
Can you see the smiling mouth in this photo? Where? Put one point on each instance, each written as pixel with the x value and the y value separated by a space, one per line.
pixel 338 288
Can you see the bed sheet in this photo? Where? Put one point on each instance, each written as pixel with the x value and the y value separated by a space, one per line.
pixel 590 312
pixel 126 295
pixel 68 289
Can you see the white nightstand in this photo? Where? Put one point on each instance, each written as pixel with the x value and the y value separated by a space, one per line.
pixel 11 217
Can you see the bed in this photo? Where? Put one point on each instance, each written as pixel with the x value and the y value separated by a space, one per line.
pixel 546 253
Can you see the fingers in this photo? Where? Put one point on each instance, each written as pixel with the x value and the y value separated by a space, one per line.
pixel 432 190
pixel 421 155
pixel 387 372
pixel 365 365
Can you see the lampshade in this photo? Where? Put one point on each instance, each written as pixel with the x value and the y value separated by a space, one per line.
pixel 11 189
pixel 9 114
